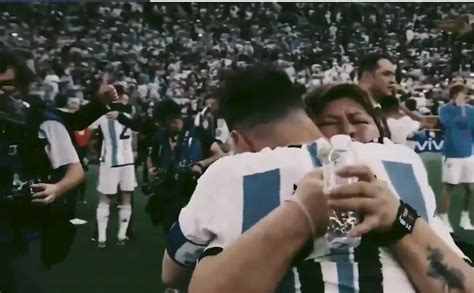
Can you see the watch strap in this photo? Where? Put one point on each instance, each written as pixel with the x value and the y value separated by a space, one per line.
pixel 402 226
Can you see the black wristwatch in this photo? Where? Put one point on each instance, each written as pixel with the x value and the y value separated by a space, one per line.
pixel 402 226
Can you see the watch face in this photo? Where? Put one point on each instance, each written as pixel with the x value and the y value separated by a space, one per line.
pixel 408 217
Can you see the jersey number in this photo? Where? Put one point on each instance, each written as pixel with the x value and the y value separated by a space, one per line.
pixel 124 134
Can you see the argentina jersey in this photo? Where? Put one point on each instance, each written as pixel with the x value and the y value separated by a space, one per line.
pixel 117 142
pixel 237 191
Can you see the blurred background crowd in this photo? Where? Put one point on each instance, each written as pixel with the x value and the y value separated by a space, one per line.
pixel 153 51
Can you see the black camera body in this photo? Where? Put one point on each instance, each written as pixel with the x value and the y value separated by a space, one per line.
pixel 18 196
pixel 174 182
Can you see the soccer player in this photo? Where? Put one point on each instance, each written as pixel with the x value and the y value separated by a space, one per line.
pixel 270 129
pixel 116 170
pixel 457 119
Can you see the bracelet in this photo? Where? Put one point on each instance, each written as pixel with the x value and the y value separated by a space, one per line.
pixel 305 211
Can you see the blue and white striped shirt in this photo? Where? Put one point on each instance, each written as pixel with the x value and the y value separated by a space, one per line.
pixel 117 143
pixel 237 191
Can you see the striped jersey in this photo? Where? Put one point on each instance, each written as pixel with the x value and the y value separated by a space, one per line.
pixel 117 147
pixel 237 191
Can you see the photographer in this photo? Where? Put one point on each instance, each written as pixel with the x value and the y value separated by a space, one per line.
pixel 38 167
pixel 180 155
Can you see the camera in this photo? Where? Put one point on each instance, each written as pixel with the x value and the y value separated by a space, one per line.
pixel 20 191
pixel 167 182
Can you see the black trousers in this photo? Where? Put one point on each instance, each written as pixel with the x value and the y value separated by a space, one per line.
pixel 23 273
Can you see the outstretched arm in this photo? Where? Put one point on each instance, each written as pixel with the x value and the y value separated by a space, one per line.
pixel 84 117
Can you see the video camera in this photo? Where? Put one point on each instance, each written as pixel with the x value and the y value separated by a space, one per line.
pixel 168 182
pixel 21 193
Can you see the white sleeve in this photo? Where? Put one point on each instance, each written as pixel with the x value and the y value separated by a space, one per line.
pixel 96 124
pixel 414 125
pixel 60 149
pixel 193 231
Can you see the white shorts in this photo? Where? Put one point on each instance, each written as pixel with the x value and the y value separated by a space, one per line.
pixel 458 170
pixel 110 179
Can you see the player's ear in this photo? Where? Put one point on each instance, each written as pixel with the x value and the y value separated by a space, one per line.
pixel 240 143
pixel 234 134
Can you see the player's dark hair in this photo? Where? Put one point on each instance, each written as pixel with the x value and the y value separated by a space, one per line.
pixel 166 110
pixel 455 90
pixel 317 100
pixel 370 63
pixel 256 95
pixel 389 103
pixel 411 104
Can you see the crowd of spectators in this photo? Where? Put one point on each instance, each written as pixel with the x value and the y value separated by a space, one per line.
pixel 181 51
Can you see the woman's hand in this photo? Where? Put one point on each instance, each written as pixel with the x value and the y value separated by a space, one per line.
pixel 369 197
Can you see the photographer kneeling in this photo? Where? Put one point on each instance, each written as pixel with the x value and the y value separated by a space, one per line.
pixel 180 153
pixel 38 167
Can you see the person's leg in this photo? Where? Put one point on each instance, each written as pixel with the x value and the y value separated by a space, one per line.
pixel 130 233
pixel 108 184
pixel 82 191
pixel 446 198
pixel 72 202
pixel 467 178
pixel 451 177
pixel 7 280
pixel 465 221
pixel 127 185
pixel 467 196
pixel 30 275
pixel 103 213
pixel 445 202
pixel 82 187
pixel 125 213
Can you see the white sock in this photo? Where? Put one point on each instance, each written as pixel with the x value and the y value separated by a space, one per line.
pixel 102 214
pixel 124 215
pixel 464 214
pixel 444 217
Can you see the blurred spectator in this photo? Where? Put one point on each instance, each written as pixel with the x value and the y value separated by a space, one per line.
pixel 179 51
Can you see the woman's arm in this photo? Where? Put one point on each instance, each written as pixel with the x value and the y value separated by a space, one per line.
pixel 431 264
